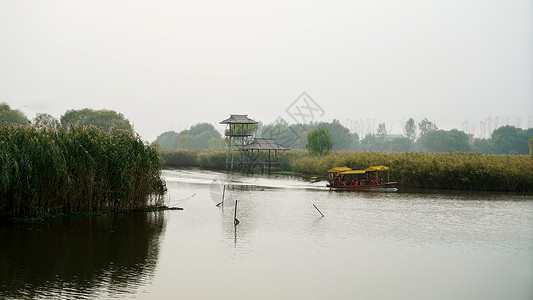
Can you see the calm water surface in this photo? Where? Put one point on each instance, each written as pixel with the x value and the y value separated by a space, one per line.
pixel 369 245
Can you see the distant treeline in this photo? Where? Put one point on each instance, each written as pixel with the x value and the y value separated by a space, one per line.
pixel 423 136
pixel 199 136
pixel 105 119
pixel 458 170
pixel 82 168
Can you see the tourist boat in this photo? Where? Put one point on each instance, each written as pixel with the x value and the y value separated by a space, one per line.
pixel 344 178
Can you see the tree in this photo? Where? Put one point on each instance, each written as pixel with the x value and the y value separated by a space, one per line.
pixel 12 116
pixel 215 144
pixel 199 136
pixel 509 139
pixel 372 142
pixel 200 128
pixel 200 141
pixel 183 141
pixel 319 141
pixel 73 116
pixel 168 139
pixel 401 144
pixel 446 141
pixel 106 119
pixel 341 136
pixel 381 131
pixel 292 136
pixel 43 120
pixel 425 126
pixel 483 146
pixel 531 147
pixel 295 135
pixel 409 129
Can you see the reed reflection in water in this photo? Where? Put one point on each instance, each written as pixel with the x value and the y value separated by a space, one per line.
pixel 79 257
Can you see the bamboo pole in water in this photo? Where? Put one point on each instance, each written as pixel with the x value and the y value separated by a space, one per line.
pixel 318 210
pixel 223 192
pixel 235 221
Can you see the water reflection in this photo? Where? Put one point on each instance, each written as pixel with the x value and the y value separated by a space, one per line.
pixel 79 257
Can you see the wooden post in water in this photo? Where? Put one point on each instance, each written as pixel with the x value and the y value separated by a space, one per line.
pixel 223 192
pixel 222 202
pixel 318 210
pixel 235 221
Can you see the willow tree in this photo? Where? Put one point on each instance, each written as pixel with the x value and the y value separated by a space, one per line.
pixel 319 141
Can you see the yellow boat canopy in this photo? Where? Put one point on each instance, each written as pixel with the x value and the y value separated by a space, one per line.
pixel 376 168
pixel 339 169
pixel 353 172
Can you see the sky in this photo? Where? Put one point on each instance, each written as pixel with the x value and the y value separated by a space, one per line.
pixel 167 65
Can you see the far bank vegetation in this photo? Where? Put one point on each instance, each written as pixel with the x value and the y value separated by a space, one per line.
pixel 456 170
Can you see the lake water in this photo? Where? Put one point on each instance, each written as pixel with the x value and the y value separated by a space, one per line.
pixel 368 245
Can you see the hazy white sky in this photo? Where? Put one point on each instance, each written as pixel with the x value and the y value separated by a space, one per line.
pixel 170 64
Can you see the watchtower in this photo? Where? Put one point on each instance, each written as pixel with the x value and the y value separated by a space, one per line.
pixel 239 132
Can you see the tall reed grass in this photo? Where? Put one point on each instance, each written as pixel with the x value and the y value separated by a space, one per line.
pixel 454 170
pixel 82 169
pixel 207 159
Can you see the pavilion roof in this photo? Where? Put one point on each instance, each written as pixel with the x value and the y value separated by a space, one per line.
pixel 238 119
pixel 263 144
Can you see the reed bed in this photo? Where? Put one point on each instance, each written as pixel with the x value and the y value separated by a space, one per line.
pixel 454 170
pixel 83 169
pixel 207 159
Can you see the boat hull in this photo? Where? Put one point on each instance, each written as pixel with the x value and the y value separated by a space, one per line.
pixel 388 185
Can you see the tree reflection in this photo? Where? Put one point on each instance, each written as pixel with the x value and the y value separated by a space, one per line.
pixel 79 256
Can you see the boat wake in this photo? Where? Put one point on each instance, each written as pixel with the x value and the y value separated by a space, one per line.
pixel 239 181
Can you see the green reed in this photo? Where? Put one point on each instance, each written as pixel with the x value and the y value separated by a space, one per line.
pixel 207 159
pixel 82 169
pixel 455 170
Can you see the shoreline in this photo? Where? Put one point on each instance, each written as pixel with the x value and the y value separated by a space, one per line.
pixel 467 171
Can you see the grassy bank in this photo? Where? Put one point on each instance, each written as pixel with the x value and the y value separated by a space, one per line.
pixel 84 169
pixel 207 159
pixel 458 170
